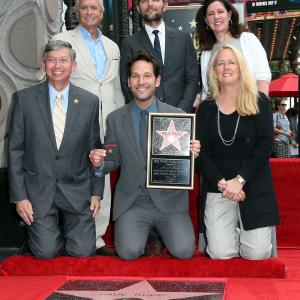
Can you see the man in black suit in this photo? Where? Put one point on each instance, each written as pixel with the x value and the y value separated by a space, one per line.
pixel 54 126
pixel 175 51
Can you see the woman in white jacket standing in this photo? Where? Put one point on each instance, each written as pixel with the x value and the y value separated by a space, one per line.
pixel 218 24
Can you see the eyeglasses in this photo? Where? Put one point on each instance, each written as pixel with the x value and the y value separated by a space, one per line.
pixel 282 104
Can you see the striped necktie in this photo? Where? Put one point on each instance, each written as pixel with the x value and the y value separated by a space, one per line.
pixel 59 119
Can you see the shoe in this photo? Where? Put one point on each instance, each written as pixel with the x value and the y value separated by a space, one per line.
pixel 154 250
pixel 105 251
pixel 25 249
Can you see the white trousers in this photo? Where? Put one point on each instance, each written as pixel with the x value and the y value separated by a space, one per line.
pixel 226 237
pixel 103 217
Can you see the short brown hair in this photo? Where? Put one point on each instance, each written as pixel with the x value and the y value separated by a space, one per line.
pixel 144 56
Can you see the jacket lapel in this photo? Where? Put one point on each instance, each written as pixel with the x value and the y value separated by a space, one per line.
pixel 109 57
pixel 43 102
pixel 161 107
pixel 145 41
pixel 73 109
pixel 169 46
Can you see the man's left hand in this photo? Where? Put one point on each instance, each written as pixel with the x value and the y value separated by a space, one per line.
pixel 95 205
pixel 195 147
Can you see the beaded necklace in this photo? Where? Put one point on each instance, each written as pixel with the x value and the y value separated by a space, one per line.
pixel 231 141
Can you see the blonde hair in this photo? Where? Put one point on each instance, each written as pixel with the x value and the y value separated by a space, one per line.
pixel 246 101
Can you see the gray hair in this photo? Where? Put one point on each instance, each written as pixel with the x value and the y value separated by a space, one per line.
pixel 138 1
pixel 57 45
pixel 100 2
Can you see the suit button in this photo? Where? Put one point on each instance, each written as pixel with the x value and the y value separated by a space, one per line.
pixel 57 157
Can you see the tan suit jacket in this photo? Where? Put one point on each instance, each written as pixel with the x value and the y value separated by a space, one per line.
pixel 108 89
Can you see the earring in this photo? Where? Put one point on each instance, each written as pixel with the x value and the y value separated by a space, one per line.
pixel 207 27
pixel 230 22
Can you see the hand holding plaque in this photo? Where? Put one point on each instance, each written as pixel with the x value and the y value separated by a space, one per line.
pixel 170 163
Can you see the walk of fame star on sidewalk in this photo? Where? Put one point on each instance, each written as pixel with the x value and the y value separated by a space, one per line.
pixel 140 290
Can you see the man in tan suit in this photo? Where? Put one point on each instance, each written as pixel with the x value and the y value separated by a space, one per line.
pixel 98 72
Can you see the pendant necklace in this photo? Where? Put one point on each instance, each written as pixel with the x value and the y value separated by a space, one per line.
pixel 231 141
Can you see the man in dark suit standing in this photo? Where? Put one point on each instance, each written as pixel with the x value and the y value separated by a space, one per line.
pixel 137 210
pixel 53 127
pixel 174 50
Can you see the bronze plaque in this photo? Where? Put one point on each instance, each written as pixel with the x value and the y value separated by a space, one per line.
pixel 170 164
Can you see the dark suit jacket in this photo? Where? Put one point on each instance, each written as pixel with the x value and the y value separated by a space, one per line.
pixel 120 136
pixel 36 167
pixel 180 74
pixel 260 207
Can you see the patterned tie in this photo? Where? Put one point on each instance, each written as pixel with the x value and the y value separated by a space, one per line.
pixel 157 48
pixel 144 132
pixel 59 119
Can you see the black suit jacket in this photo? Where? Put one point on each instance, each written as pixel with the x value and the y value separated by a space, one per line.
pixel 180 74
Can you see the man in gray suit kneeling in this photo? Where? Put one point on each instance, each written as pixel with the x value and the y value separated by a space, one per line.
pixel 136 209
pixel 54 126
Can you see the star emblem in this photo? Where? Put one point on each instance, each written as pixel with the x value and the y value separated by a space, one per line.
pixel 76 101
pixel 141 290
pixel 180 28
pixel 109 150
pixel 193 23
pixel 171 136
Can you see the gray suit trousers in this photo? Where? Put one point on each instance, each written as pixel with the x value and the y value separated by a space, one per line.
pixel 78 236
pixel 133 226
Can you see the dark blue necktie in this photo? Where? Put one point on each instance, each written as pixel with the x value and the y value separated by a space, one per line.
pixel 157 48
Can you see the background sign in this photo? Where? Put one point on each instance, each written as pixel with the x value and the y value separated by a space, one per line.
pixel 271 5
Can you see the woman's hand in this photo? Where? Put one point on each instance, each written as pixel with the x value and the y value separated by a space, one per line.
pixel 222 185
pixel 234 190
pixel 195 147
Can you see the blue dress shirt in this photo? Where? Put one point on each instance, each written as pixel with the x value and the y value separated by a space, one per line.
pixel 96 50
pixel 136 116
pixel 64 99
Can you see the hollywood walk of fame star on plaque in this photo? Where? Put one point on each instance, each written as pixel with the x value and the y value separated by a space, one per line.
pixel 170 163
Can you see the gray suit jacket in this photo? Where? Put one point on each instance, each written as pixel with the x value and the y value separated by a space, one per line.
pixel 126 152
pixel 36 167
pixel 180 75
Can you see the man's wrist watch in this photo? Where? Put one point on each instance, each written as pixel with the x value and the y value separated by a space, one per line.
pixel 240 179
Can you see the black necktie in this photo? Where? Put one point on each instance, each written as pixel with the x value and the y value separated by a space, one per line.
pixel 144 132
pixel 157 48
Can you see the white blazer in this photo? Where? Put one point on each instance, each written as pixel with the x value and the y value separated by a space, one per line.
pixel 108 89
pixel 254 54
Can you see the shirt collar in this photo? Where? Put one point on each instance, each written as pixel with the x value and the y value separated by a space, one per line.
pixel 161 28
pixel 64 92
pixel 151 108
pixel 87 36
